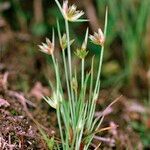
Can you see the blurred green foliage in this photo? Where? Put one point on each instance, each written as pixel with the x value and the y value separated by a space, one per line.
pixel 128 20
pixel 142 129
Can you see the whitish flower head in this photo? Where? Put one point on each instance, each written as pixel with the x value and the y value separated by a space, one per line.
pixel 98 37
pixel 48 47
pixel 70 12
pixel 55 100
pixel 51 102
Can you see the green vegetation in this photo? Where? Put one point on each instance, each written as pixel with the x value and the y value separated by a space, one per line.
pixel 75 71
pixel 76 111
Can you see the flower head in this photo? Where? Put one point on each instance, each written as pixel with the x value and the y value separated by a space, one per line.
pixel 63 42
pixel 70 13
pixel 82 52
pixel 53 103
pixel 98 38
pixel 74 84
pixel 55 100
pixel 47 47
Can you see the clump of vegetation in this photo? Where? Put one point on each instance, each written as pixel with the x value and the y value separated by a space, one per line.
pixel 76 110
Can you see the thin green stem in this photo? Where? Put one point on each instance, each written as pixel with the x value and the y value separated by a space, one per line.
pixel 68 48
pixel 91 81
pixel 97 85
pixel 66 73
pixel 76 90
pixel 67 80
pixel 64 61
pixel 82 75
pixel 68 88
pixel 99 69
pixel 65 117
pixel 93 106
pixel 102 52
pixel 56 72
pixel 70 67
pixel 60 127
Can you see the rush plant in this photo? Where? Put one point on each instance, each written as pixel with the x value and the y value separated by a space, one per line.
pixel 75 108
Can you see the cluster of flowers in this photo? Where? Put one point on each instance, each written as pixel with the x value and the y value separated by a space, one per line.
pixel 71 14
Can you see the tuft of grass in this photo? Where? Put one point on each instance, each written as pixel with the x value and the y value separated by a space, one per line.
pixel 75 107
